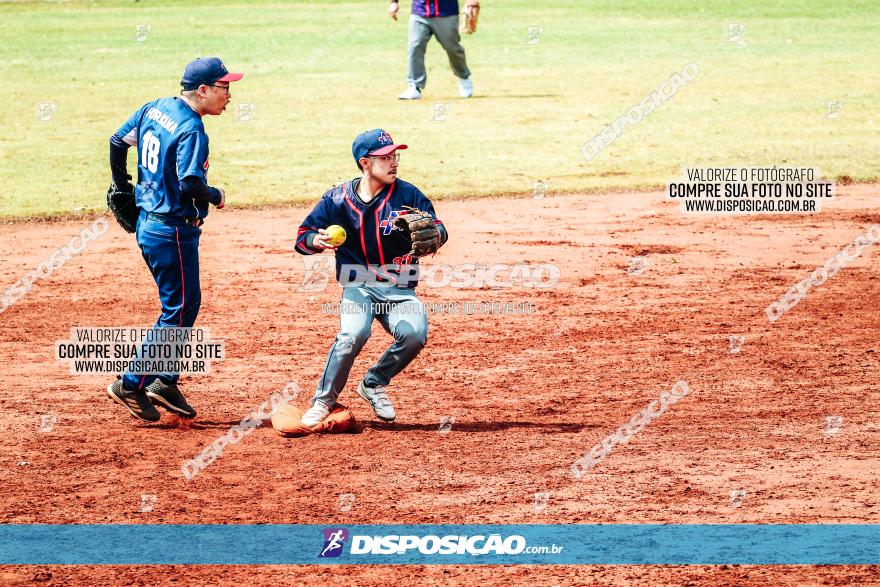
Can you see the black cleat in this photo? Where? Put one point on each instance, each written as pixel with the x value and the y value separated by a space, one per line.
pixel 169 397
pixel 136 402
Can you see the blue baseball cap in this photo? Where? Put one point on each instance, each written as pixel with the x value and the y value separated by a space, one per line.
pixel 206 70
pixel 373 142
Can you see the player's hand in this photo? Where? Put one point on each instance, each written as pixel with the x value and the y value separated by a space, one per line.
pixel 322 241
pixel 222 199
pixel 392 10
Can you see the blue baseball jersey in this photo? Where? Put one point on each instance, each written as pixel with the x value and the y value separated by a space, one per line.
pixel 372 242
pixel 432 8
pixel 172 144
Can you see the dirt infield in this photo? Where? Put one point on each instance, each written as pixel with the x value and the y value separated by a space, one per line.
pixel 529 393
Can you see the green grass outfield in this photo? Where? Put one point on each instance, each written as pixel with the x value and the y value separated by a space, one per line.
pixel 321 72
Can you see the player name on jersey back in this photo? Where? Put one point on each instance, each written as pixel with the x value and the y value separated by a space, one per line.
pixel 162 119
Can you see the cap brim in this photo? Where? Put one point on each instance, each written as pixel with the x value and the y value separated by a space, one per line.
pixel 387 149
pixel 231 77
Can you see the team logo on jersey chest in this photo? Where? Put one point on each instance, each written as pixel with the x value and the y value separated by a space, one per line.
pixel 387 225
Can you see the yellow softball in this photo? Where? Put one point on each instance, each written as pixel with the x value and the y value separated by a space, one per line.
pixel 336 235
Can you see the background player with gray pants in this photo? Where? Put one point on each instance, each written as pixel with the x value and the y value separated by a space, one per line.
pixel 440 19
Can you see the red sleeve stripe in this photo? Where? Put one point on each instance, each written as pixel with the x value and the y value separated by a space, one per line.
pixel 301 239
pixel 182 279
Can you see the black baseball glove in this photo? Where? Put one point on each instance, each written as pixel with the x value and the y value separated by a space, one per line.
pixel 421 230
pixel 121 201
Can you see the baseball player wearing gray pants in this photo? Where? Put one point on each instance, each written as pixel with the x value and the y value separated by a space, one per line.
pixel 399 312
pixel 438 18
pixel 369 208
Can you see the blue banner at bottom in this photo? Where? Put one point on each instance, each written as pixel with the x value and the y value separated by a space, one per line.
pixel 402 544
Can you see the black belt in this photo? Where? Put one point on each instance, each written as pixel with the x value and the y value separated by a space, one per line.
pixel 175 220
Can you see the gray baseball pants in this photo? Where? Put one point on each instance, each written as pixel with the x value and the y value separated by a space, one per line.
pixel 445 28
pixel 399 312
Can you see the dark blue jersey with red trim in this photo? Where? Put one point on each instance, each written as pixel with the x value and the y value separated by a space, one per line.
pixel 373 243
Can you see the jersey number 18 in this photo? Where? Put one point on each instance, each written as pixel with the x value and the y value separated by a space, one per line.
pixel 150 151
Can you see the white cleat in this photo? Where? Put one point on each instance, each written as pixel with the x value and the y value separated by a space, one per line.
pixel 465 88
pixel 411 93
pixel 315 414
pixel 379 400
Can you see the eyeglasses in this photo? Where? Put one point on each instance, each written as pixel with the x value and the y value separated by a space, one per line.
pixel 388 158
pixel 221 87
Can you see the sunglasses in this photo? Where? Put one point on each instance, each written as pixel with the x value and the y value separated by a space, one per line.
pixel 221 87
